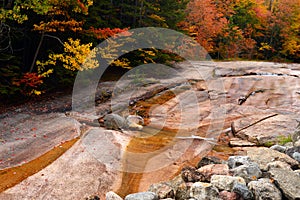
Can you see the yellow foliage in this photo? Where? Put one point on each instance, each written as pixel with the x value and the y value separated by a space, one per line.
pixel 124 63
pixel 265 46
pixel 76 56
pixel 292 47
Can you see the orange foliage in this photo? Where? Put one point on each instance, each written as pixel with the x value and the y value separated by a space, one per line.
pixel 54 26
pixel 204 22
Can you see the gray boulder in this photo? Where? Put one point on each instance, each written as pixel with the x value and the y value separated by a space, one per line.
pixel 243 191
pixel 264 189
pixel 142 196
pixel 248 171
pixel 223 182
pixel 200 190
pixel 235 161
pixel 287 181
pixel 279 148
pixel 263 156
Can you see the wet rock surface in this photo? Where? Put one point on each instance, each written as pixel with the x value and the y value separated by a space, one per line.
pixel 25 137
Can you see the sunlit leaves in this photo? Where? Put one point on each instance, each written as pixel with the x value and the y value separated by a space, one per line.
pixel 76 56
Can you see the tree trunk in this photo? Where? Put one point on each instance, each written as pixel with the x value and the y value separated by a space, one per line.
pixel 37 51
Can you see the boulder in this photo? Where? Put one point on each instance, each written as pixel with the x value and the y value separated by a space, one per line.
pixel 263 156
pixel 190 174
pixel 249 171
pixel 243 191
pixel 200 190
pixel 235 161
pixel 264 189
pixel 212 169
pixel 142 195
pixel 279 148
pixel 287 181
pixel 223 182
pixel 163 190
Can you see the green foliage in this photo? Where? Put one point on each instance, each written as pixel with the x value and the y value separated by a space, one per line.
pixel 284 139
pixel 8 74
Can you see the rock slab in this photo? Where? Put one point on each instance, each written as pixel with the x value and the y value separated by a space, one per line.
pixel 287 181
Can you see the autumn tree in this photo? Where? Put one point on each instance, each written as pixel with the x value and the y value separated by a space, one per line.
pixel 204 22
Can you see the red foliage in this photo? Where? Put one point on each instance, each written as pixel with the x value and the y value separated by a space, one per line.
pixel 32 80
pixel 104 33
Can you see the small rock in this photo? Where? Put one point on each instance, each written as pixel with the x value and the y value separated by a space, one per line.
pixel 209 160
pixel 112 196
pixel 287 181
pixel 264 189
pixel 163 190
pixel 292 150
pixel 248 171
pixel 235 161
pixel 279 148
pixel 200 190
pixel 296 156
pixel 223 182
pixel 190 174
pixel 226 195
pixel 262 156
pixel 278 164
pixel 212 169
pixel 142 196
pixel 243 191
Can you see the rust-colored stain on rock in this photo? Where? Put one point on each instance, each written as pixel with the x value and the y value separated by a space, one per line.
pixel 11 176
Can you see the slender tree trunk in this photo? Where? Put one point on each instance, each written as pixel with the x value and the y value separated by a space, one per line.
pixel 37 51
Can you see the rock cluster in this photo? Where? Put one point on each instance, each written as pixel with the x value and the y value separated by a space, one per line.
pixel 263 173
